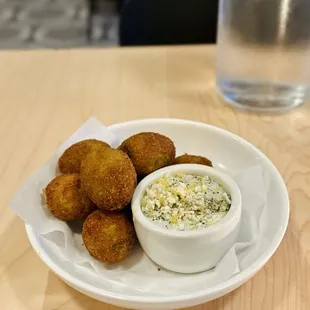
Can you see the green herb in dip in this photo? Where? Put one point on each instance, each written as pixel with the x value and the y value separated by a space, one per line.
pixel 185 202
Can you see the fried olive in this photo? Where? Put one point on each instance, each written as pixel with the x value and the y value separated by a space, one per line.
pixel 108 237
pixel 192 159
pixel 149 151
pixel 66 199
pixel 109 178
pixel 70 160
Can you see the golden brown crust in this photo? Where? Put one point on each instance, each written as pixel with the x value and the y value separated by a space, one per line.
pixel 66 200
pixel 108 237
pixel 70 160
pixel 149 151
pixel 109 178
pixel 192 159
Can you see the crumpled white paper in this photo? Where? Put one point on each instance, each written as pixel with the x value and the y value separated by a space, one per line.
pixel 137 269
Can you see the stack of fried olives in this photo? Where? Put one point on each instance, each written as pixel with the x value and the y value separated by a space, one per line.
pixel 97 184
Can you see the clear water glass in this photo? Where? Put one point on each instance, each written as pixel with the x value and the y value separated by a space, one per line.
pixel 263 53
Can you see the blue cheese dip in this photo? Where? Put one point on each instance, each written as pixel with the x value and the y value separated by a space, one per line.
pixel 185 202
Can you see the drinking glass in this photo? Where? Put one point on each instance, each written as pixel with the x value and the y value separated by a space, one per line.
pixel 263 53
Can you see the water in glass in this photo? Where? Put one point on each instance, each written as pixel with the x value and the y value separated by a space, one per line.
pixel 263 53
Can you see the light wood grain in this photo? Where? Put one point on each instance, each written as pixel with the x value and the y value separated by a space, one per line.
pixel 46 95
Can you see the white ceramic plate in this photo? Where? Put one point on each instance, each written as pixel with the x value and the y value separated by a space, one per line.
pixel 229 153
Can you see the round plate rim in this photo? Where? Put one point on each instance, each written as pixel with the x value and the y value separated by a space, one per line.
pixel 217 290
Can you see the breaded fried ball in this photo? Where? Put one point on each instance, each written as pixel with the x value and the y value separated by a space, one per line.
pixel 108 237
pixel 70 160
pixel 109 178
pixel 192 159
pixel 149 151
pixel 66 199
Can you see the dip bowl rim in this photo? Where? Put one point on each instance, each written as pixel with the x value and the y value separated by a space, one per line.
pixel 229 221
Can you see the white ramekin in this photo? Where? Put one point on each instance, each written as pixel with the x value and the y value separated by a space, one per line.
pixel 188 251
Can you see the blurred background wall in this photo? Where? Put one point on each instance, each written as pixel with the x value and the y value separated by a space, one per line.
pixel 57 23
pixel 78 23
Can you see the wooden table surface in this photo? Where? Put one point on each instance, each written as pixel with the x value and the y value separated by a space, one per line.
pixel 46 95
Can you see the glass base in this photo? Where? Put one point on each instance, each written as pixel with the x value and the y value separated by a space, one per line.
pixel 262 97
